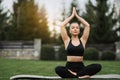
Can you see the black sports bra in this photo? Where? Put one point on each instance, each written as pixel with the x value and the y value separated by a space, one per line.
pixel 75 50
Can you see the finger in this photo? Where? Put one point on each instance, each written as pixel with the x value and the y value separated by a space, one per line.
pixel 73 8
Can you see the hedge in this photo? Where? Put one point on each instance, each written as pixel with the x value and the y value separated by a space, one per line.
pixel 47 53
pixel 91 54
pixel 62 53
pixel 108 55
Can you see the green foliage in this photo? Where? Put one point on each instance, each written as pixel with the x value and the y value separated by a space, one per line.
pixel 3 22
pixel 108 55
pixel 30 22
pixel 101 20
pixel 91 54
pixel 62 53
pixel 47 52
pixel 43 31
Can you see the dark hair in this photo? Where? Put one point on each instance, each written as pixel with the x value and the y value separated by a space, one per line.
pixel 74 20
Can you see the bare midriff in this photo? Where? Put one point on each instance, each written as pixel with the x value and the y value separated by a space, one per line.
pixel 74 58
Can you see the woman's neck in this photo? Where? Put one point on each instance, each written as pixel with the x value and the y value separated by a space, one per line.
pixel 74 38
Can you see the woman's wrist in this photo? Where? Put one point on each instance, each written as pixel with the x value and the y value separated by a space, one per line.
pixel 67 20
pixel 78 16
pixel 71 16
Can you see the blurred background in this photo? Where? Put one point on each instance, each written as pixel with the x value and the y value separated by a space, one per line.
pixel 30 41
pixel 31 28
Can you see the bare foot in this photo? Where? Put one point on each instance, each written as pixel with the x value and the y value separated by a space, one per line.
pixel 86 76
pixel 72 72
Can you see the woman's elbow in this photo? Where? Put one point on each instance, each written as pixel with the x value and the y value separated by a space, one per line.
pixel 87 25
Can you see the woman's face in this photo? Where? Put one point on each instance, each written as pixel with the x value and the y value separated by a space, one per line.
pixel 74 29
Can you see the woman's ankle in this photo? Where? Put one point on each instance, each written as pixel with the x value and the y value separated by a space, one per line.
pixel 85 76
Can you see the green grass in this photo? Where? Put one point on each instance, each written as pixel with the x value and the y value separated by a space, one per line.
pixel 11 67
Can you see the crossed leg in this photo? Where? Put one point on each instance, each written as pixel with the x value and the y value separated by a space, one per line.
pixel 64 73
pixel 86 72
pixel 74 73
pixel 89 70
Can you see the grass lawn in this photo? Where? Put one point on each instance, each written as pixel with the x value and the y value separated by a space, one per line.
pixel 11 67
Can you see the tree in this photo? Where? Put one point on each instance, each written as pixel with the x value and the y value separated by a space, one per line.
pixel 3 22
pixel 117 14
pixel 43 29
pixel 102 22
pixel 29 21
pixel 118 29
pixel 90 16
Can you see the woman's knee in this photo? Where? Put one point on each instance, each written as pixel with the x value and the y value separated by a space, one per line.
pixel 59 69
pixel 63 72
pixel 92 69
pixel 99 67
pixel 95 66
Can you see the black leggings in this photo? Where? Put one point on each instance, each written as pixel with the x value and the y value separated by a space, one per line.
pixel 77 67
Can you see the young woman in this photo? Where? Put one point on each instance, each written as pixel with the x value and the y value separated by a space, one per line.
pixel 74 47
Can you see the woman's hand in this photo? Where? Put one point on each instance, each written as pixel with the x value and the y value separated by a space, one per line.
pixel 70 17
pixel 75 13
pixel 74 73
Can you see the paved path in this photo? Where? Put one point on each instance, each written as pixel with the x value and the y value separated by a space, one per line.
pixel 117 76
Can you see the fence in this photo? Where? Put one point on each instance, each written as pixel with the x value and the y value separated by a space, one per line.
pixel 20 49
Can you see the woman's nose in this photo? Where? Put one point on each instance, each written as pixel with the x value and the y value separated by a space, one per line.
pixel 75 28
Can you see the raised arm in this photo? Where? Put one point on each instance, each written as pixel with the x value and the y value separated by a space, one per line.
pixel 86 28
pixel 64 34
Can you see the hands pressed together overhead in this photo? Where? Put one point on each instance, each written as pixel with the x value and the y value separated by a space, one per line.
pixel 74 13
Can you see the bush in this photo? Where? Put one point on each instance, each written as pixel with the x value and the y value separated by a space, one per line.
pixel 47 52
pixel 62 53
pixel 108 55
pixel 91 54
